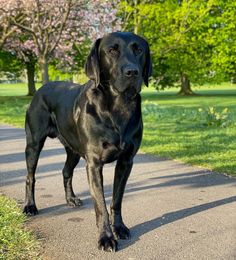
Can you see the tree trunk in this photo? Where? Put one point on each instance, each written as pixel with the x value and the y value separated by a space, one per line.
pixel 185 86
pixel 43 64
pixel 137 20
pixel 30 67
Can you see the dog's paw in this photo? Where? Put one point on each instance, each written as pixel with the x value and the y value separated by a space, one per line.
pixel 121 231
pixel 74 202
pixel 30 210
pixel 107 243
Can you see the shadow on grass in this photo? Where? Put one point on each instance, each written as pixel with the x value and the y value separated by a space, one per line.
pixel 172 95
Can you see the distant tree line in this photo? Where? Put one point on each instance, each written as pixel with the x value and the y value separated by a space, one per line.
pixel 51 32
pixel 192 41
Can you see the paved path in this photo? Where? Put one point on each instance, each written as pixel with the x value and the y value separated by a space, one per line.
pixel 174 211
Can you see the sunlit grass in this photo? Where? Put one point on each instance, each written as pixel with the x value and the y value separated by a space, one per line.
pixel 12 109
pixel 173 125
pixel 17 89
pixel 178 127
pixel 16 242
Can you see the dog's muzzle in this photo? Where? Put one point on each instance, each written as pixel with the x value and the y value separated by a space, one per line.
pixel 132 92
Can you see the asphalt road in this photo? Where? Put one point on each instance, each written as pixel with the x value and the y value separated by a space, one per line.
pixel 174 211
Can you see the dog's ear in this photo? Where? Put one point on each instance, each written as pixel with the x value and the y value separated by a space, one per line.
pixel 147 71
pixel 92 69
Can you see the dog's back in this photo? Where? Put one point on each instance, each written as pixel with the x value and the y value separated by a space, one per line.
pixel 51 105
pixel 54 93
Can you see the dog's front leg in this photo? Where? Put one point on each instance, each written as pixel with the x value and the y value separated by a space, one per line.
pixel 122 172
pixel 106 239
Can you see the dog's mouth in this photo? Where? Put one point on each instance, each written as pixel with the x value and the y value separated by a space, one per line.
pixel 128 87
pixel 131 92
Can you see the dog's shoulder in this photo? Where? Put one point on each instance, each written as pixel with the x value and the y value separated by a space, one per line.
pixel 60 86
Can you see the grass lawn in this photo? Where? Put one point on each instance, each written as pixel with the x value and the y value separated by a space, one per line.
pixel 183 128
pixel 18 89
pixel 15 241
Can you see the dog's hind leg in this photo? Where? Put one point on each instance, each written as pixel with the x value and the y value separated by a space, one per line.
pixel 35 138
pixel 71 162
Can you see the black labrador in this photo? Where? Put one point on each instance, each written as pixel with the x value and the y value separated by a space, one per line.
pixel 100 121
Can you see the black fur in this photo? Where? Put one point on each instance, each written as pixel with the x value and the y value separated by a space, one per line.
pixel 99 121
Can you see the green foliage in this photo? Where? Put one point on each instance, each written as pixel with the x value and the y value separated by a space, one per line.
pixel 196 38
pixel 15 241
pixel 201 117
pixel 10 66
pixel 81 53
pixel 223 36
pixel 56 74
pixel 216 118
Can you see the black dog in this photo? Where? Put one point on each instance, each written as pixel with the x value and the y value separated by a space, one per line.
pixel 99 121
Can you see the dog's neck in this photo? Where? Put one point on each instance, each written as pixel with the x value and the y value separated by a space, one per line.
pixel 110 91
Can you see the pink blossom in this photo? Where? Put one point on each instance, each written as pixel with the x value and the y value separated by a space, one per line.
pixel 49 29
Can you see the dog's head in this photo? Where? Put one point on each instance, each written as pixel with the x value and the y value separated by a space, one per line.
pixel 121 59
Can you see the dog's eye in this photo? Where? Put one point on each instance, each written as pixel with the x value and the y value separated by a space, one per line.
pixel 114 50
pixel 137 50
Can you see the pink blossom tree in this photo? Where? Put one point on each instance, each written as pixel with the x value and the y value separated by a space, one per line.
pixel 7 9
pixel 49 30
pixel 21 47
pixel 15 43
pixel 5 28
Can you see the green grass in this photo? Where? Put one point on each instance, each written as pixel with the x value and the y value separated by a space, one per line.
pixel 13 103
pixel 175 128
pixel 16 242
pixel 18 89
pixel 173 125
pixel 12 109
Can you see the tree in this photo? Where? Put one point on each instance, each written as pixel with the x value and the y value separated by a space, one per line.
pixel 10 66
pixel 15 46
pixel 54 28
pixel 6 29
pixel 223 37
pixel 180 35
pixel 21 47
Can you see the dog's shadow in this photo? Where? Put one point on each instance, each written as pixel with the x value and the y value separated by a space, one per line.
pixel 148 226
pixel 141 229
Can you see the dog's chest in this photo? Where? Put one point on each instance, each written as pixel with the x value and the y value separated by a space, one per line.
pixel 107 127
pixel 112 133
pixel 120 117
pixel 110 112
pixel 109 117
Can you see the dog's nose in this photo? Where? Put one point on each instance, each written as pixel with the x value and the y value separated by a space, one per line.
pixel 131 71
